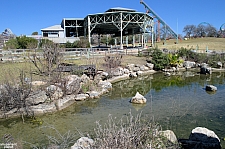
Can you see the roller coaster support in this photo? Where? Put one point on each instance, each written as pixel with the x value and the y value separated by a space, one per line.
pixel 150 11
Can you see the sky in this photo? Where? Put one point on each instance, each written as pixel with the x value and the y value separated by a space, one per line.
pixel 24 17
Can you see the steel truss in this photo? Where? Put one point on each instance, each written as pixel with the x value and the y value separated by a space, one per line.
pixel 118 23
pixel 73 27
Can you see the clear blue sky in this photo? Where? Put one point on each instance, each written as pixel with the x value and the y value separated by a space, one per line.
pixel 27 16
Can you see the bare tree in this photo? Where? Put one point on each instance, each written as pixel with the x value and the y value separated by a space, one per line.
pixel 13 95
pixel 211 31
pixel 200 30
pixel 189 30
pixel 47 61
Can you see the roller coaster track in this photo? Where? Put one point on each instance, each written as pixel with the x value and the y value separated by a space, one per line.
pixel 167 27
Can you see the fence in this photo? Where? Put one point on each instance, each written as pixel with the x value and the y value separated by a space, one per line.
pixel 68 53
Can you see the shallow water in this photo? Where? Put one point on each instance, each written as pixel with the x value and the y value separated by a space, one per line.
pixel 179 103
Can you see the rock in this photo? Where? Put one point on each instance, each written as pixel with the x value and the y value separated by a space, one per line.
pixel 189 64
pixel 204 69
pixel 209 135
pixel 84 78
pixel 150 66
pixel 133 75
pixel 136 69
pixel 65 102
pixel 104 75
pixel 54 92
pixel 142 68
pixel 126 71
pixel 37 98
pixel 138 98
pixel 130 67
pixel 201 138
pixel 139 73
pixel 73 84
pixel 211 88
pixel 167 74
pixel 81 97
pixel 38 83
pixel 118 71
pixel 105 85
pixel 43 108
pixel 169 134
pixel 219 65
pixel 83 143
pixel 93 94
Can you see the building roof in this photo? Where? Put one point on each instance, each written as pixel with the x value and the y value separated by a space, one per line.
pixel 116 9
pixel 53 28
pixel 73 18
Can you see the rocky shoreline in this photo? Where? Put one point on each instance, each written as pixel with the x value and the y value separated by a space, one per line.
pixel 40 102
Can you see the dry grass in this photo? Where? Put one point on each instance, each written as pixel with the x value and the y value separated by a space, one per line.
pixel 99 61
pixel 217 44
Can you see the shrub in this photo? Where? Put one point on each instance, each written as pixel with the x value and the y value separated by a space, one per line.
pixel 129 132
pixel 159 59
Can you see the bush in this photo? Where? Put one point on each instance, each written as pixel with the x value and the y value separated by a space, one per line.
pixel 129 132
pixel 159 59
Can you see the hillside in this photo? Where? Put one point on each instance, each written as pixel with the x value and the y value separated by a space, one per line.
pixel 213 44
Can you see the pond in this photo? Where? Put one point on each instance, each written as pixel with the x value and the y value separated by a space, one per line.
pixel 178 102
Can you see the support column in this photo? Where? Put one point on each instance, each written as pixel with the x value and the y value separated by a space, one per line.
pixel 127 41
pixel 115 42
pixel 152 33
pixel 121 31
pixel 133 37
pixel 99 40
pixel 63 27
pixel 89 30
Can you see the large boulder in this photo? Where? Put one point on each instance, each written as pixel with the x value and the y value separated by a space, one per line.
pixel 38 97
pixel 84 78
pixel 201 138
pixel 138 98
pixel 65 102
pixel 54 92
pixel 205 69
pixel 73 84
pixel 83 143
pixel 211 88
pixel 43 108
pixel 169 134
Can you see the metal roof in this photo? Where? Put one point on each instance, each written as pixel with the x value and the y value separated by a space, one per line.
pixel 73 18
pixel 116 9
pixel 51 28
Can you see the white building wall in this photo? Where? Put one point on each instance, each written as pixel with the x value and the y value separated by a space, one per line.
pixel 61 34
pixel 53 35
